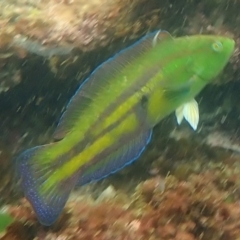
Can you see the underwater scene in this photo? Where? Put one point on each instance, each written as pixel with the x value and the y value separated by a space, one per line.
pixel 120 120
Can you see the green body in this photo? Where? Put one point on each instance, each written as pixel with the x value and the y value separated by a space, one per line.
pixel 112 114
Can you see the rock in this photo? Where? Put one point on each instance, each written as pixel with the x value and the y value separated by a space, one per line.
pixel 107 195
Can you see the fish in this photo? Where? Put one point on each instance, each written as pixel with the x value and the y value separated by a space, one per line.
pixel 109 121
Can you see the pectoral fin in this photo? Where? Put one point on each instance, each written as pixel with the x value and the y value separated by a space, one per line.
pixel 179 114
pixel 190 112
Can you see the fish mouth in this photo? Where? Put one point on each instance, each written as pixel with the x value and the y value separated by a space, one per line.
pixel 197 78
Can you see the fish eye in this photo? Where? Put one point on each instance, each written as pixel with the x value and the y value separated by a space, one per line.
pixel 217 46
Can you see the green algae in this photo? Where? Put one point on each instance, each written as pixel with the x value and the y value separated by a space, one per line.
pixel 5 221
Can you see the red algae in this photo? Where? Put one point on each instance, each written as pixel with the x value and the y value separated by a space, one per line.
pixel 199 208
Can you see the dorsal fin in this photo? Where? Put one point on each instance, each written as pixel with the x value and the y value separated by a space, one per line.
pixel 101 78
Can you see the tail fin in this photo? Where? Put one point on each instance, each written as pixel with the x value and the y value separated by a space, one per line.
pixel 47 200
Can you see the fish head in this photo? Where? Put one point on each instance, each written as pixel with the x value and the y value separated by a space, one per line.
pixel 188 64
pixel 209 55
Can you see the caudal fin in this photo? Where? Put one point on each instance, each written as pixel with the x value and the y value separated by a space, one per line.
pixel 47 198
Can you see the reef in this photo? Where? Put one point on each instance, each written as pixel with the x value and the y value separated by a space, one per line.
pixel 202 206
pixel 65 32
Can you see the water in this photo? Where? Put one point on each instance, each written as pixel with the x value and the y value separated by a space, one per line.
pixel 184 186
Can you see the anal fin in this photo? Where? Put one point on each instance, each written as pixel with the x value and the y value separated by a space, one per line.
pixel 124 154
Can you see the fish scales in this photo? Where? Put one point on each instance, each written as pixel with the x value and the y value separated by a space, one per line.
pixel 108 122
pixel 110 118
pixel 92 170
pixel 96 110
pixel 115 113
pixel 106 72
pixel 95 106
pixel 108 112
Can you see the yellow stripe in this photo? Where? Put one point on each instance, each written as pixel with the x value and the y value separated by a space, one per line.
pixel 87 121
pixel 106 141
pixel 122 110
